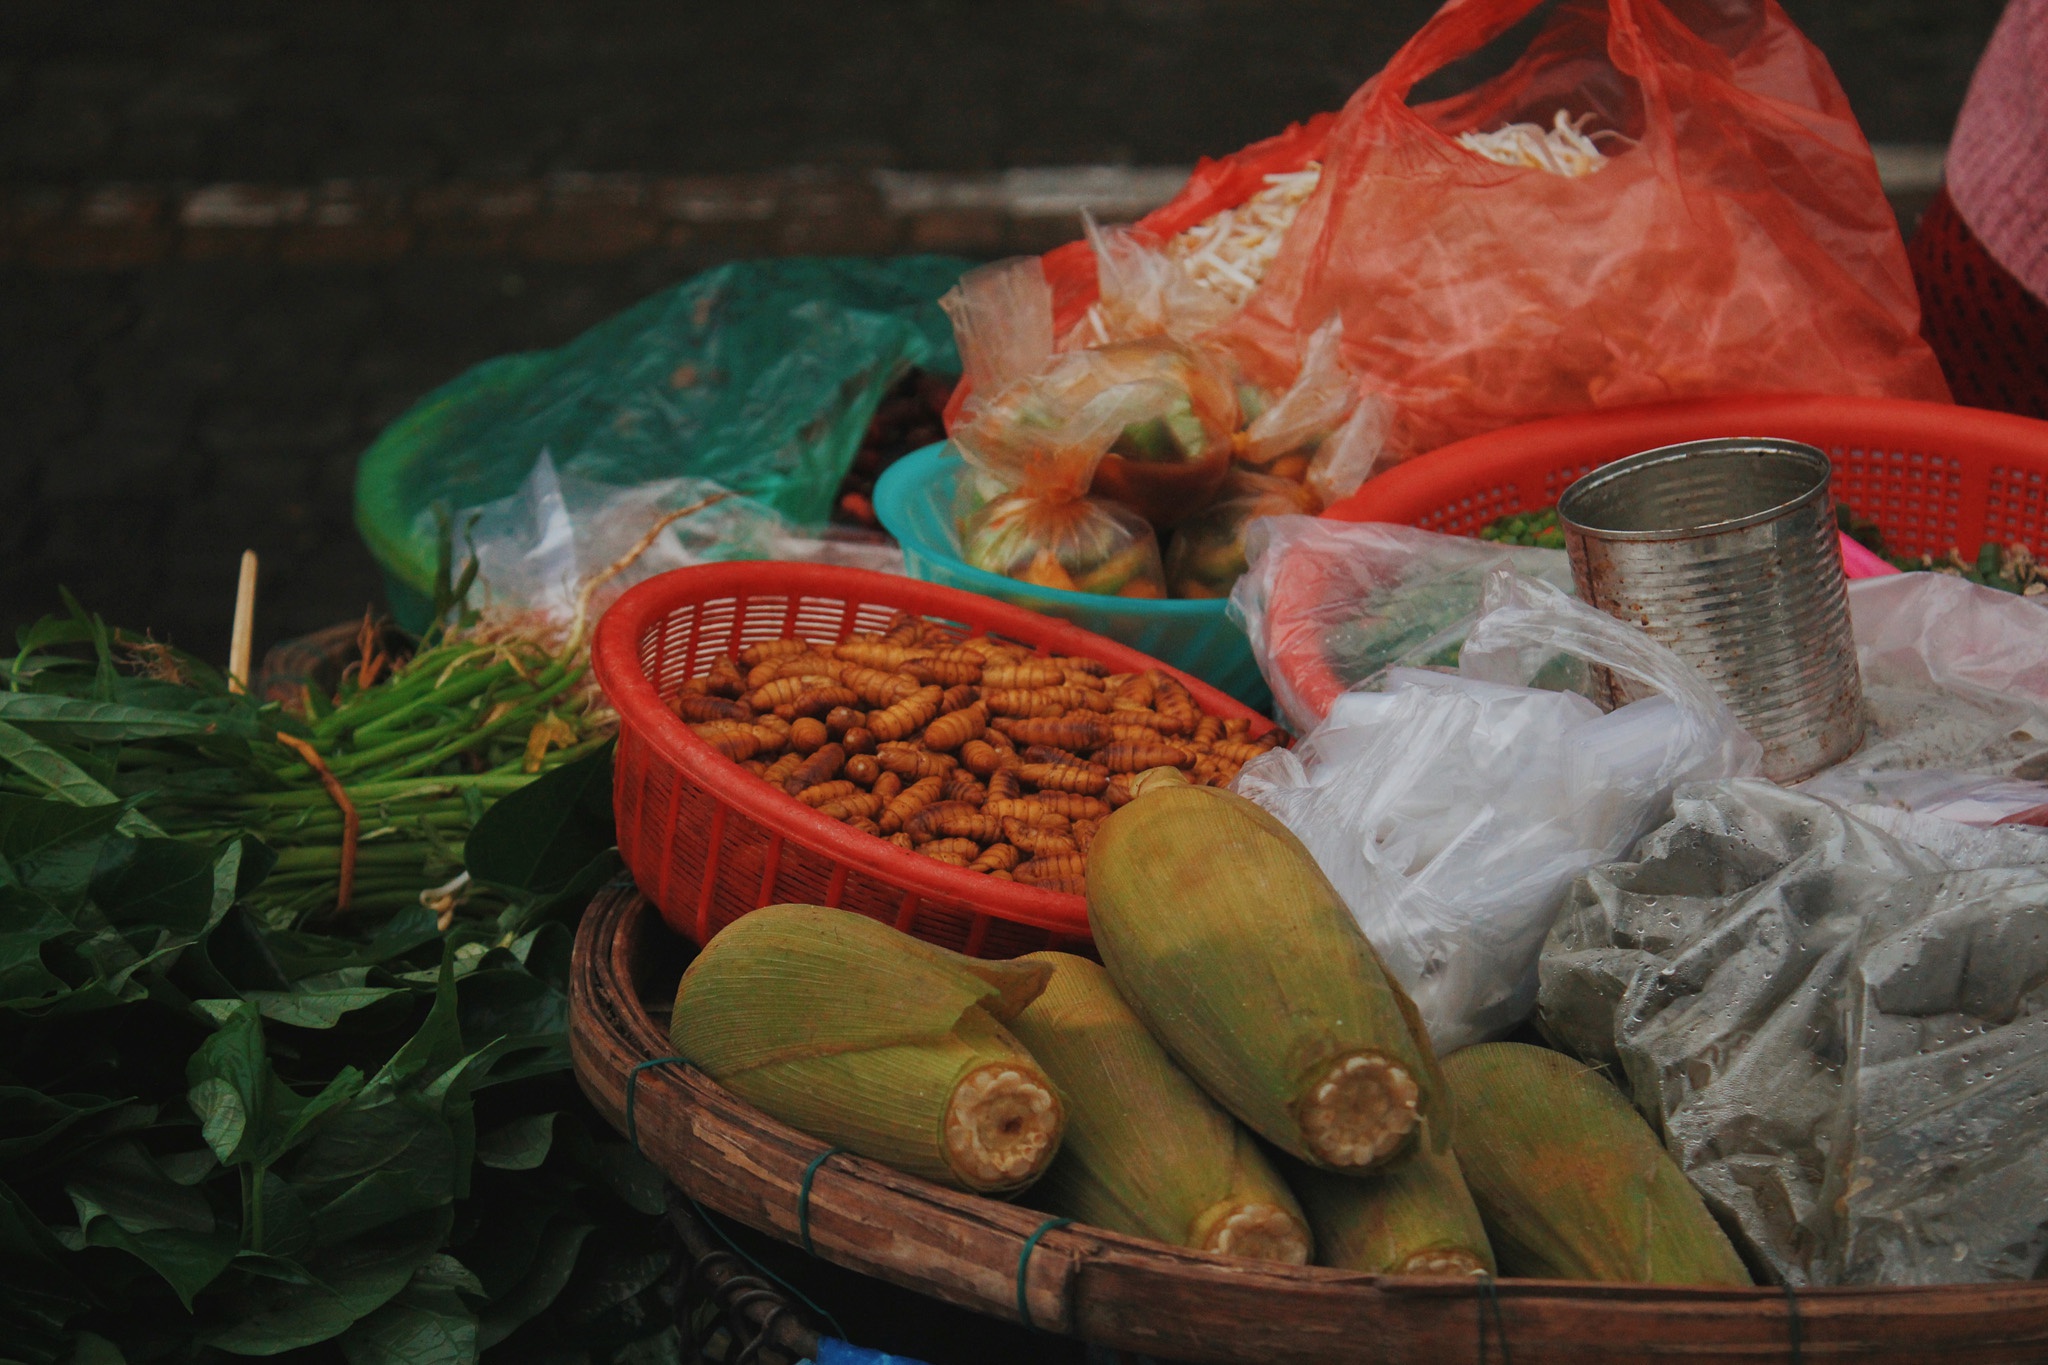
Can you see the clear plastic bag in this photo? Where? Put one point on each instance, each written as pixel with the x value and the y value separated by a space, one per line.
pixel 1206 556
pixel 1842 1031
pixel 1142 420
pixel 1453 812
pixel 1048 438
pixel 1965 798
pixel 1955 678
pixel 1331 605
pixel 1324 429
pixel 1073 544
pixel 536 549
pixel 1144 292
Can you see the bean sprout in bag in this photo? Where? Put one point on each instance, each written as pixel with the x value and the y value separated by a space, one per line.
pixel 1453 812
pixel 1727 234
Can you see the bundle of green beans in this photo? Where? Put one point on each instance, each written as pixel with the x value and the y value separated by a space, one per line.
pixel 418 755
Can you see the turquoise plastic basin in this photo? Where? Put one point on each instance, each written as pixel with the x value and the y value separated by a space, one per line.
pixel 914 501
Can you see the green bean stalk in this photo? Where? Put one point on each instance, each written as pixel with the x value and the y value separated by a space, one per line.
pixel 366 796
pixel 410 760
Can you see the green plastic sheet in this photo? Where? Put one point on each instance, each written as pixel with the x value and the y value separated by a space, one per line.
pixel 761 375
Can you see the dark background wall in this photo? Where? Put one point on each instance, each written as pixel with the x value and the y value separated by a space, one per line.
pixel 417 186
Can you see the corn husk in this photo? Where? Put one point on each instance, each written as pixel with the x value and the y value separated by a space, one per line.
pixel 1570 1180
pixel 1146 1152
pixel 1227 940
pixel 876 1042
pixel 1416 1219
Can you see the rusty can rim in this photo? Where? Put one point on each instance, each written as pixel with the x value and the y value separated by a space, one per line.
pixel 1633 466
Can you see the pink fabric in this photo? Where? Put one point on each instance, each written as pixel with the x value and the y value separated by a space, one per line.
pixel 1857 562
pixel 1997 169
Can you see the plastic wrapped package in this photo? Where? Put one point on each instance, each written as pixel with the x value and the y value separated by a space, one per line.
pixel 1965 798
pixel 536 549
pixel 1168 464
pixel 1322 429
pixel 1144 292
pixel 1164 457
pixel 1332 605
pixel 1206 556
pixel 1003 325
pixel 1955 678
pixel 1841 1030
pixel 1453 812
pixel 1046 535
pixel 1736 238
pixel 1045 438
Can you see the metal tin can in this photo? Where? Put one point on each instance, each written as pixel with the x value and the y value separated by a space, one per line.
pixel 1727 552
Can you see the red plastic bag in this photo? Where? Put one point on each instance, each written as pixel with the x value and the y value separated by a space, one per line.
pixel 1739 242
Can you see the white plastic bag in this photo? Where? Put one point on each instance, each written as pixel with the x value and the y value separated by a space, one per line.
pixel 1331 605
pixel 1453 812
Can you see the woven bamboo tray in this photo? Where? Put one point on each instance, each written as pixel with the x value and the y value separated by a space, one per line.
pixel 1137 1295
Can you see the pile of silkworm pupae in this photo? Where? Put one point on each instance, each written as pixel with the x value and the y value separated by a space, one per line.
pixel 974 752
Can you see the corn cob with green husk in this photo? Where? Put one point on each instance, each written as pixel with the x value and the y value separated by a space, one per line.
pixel 1570 1180
pixel 1233 947
pixel 1416 1219
pixel 876 1042
pixel 1146 1152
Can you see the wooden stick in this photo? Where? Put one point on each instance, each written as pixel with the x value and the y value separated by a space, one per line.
pixel 245 625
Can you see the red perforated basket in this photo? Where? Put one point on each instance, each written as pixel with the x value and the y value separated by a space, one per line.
pixel 708 841
pixel 1932 476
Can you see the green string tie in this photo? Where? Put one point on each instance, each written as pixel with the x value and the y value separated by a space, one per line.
pixel 803 1197
pixel 632 1095
pixel 1489 1299
pixel 1024 1266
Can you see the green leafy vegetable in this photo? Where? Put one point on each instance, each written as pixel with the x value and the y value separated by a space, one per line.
pixel 234 1123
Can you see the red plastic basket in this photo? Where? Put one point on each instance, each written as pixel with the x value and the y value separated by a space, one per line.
pixel 708 841
pixel 1932 476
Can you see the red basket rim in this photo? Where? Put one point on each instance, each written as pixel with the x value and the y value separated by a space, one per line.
pixel 1407 491
pixel 615 658
pixel 1835 418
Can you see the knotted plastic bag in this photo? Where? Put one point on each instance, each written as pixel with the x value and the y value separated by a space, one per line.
pixel 1315 425
pixel 1143 292
pixel 1736 240
pixel 1453 812
pixel 1324 430
pixel 1145 419
pixel 1037 426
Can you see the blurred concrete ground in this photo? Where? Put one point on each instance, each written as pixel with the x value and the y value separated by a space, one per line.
pixel 237 238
